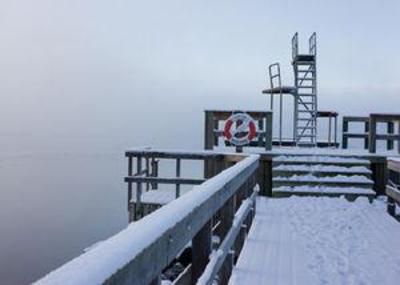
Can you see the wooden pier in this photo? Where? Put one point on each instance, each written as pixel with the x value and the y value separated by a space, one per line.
pixel 261 210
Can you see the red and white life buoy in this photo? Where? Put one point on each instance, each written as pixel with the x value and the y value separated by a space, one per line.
pixel 240 129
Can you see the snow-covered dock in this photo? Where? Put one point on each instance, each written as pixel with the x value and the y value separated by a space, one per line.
pixel 265 240
pixel 313 240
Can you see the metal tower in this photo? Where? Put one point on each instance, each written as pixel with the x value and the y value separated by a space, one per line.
pixel 305 80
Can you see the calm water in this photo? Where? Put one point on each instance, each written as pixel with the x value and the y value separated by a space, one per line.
pixel 56 199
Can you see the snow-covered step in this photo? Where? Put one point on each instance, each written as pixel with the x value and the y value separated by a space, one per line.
pixel 312 180
pixel 320 159
pixel 319 170
pixel 349 192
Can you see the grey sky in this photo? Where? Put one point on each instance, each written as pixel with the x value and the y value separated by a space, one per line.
pixel 100 60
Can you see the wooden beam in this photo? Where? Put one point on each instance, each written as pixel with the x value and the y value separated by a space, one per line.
pixel 176 180
pixel 393 193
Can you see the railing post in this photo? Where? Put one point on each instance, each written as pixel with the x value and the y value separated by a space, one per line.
pixel 209 130
pixel 344 136
pixel 130 207
pixel 268 131
pixel 178 174
pixel 336 131
pixel 330 131
pixel 372 134
pixel 391 206
pixel 398 141
pixel 138 202
pixel 201 249
pixel 227 215
pixel 366 140
pixel 154 172
pixel 147 161
pixel 390 130
pixel 260 128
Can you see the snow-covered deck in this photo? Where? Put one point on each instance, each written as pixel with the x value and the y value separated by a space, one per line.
pixel 320 241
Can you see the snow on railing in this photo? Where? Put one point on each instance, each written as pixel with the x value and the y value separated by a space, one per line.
pixel 139 253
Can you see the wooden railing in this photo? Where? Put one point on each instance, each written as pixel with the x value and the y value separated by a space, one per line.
pixel 392 188
pixel 370 135
pixel 144 173
pixel 223 205
pixel 346 134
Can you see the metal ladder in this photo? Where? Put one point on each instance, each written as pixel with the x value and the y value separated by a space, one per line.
pixel 305 109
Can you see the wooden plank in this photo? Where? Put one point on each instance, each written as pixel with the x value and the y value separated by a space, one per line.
pixel 389 137
pixel 176 180
pixel 194 155
pixel 355 119
pixel 356 135
pixel 225 114
pixel 393 193
pixel 385 117
pixel 277 182
pixel 393 165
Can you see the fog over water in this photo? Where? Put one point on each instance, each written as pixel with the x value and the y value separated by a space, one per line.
pixel 81 81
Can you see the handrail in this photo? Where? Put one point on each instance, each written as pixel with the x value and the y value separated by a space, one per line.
pixel 312 42
pixel 139 253
pixel 146 161
pixel 295 45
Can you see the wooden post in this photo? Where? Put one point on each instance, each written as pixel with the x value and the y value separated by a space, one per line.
pixel 268 131
pixel 178 174
pixel 390 130
pixel 201 249
pixel 372 134
pixel 138 204
pixel 330 131
pixel 154 172
pixel 398 141
pixel 379 175
pixel 391 206
pixel 227 215
pixel 209 130
pixel 345 130
pixel 366 129
pixel 130 171
pixel 147 161
pixel 335 131
pixel 260 129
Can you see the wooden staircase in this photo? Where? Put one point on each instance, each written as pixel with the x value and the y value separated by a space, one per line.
pixel 321 175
